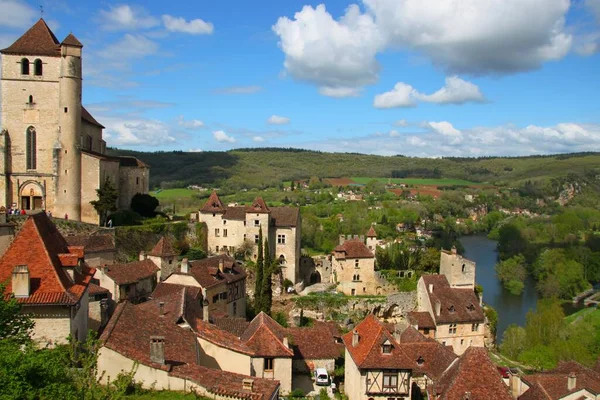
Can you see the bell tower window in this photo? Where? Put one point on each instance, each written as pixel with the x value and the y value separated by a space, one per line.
pixel 37 67
pixel 31 148
pixel 24 66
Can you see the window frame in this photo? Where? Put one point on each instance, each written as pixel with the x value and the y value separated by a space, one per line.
pixel 389 376
pixel 268 361
pixel 25 70
pixel 281 238
pixel 452 329
pixel 31 148
pixel 38 67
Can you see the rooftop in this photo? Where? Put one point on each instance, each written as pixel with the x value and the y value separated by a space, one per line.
pixel 354 248
pixel 456 305
pixel 123 274
pixel 37 41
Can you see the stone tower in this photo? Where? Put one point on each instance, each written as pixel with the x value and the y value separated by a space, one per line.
pixel 459 271
pixel 372 239
pixel 68 196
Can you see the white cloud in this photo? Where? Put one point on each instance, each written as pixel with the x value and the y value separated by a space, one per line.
pixel 401 123
pixel 238 90
pixel 416 141
pixel 129 47
pixel 194 26
pixel 588 44
pixel 594 6
pixel 258 139
pixel 339 92
pixel 195 150
pixel 394 133
pixel 330 53
pixel 278 120
pixel 445 128
pixel 189 124
pixel 129 131
pixel 460 36
pixel 125 17
pixel 455 91
pixel 16 14
pixel 222 137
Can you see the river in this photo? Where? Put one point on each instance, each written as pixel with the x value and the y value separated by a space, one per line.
pixel 511 309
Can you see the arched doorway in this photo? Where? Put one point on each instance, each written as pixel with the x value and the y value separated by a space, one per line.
pixel 315 277
pixel 32 196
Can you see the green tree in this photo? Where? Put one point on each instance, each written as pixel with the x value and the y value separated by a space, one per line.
pixel 107 200
pixel 144 204
pixel 14 325
pixel 267 291
pixel 258 285
pixel 513 341
pixel 512 273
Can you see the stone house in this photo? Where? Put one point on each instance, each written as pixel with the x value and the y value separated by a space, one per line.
pixel 164 255
pixel 314 347
pixel 230 228
pixel 166 354
pixel 99 248
pixel 49 279
pixel 569 380
pixel 422 322
pixel 133 281
pixel 457 313
pixel 459 271
pixel 222 281
pixel 53 156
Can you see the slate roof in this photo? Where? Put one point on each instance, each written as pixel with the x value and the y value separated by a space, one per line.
pixel 40 246
pixel 124 274
pixel 354 248
pixel 422 319
pixel 164 248
pixel 472 373
pixel 37 41
pixel 554 384
pixel 213 204
pixel 266 337
pixel 93 243
pixel 457 305
pixel 86 116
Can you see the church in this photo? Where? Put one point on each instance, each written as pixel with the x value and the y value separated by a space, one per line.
pixel 52 155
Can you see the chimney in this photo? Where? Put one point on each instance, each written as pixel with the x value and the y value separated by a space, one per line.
pixel 157 349
pixel 514 385
pixel 161 307
pixel 438 308
pixel 185 266
pixel 247 384
pixel 342 239
pixel 431 288
pixel 20 281
pixel 572 381
pixel 286 342
pixel 143 255
pixel 355 338
pixel 205 316
pixel 221 265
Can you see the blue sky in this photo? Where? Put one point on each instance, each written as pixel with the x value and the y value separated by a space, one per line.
pixel 413 77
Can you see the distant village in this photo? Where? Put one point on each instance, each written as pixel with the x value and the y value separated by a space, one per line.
pixel 184 323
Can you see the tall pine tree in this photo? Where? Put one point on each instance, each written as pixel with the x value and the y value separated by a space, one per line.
pixel 258 286
pixel 267 291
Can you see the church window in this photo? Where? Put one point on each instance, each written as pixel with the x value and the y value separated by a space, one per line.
pixel 37 67
pixel 24 66
pixel 30 139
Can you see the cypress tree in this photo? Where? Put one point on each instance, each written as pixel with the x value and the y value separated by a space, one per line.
pixel 267 291
pixel 258 286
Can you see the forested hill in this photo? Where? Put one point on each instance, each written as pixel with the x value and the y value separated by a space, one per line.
pixel 259 168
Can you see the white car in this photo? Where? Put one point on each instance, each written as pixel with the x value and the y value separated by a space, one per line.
pixel 321 377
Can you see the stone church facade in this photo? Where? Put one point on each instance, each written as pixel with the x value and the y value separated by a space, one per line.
pixel 52 155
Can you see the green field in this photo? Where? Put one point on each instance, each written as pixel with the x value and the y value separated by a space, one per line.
pixel 589 313
pixel 418 181
pixel 173 194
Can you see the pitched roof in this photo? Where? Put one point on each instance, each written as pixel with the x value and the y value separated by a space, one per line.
pixel 285 216
pixel 235 213
pixel 128 161
pixel 94 289
pixel 371 232
pixel 266 337
pixel 354 248
pixel 93 243
pixel 37 41
pixel 41 247
pixel 457 305
pixel 221 338
pixel 207 273
pixel 258 206
pixel 166 289
pixel 473 373
pixel 553 384
pixel 132 272
pixel 235 326
pixel 86 116
pixel 432 358
pixel 164 248
pixel 71 40
pixel 422 319
pixel 367 354
pixel 314 343
pixel 213 204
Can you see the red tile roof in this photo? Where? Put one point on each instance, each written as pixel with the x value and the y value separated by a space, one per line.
pixel 354 248
pixel 371 232
pixel 266 337
pixel 285 216
pixel 37 41
pixel 123 274
pixel 94 289
pixel 166 289
pixel 41 247
pixel 314 343
pixel 457 305
pixel 71 40
pixel 258 206
pixel 554 384
pixel 93 243
pixel 432 358
pixel 221 338
pixel 86 116
pixel 472 373
pixel 235 213
pixel 422 319
pixel 235 326
pixel 207 274
pixel 213 204
pixel 164 248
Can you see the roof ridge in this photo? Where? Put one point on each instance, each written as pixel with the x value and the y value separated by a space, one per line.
pixel 34 218
pixel 112 323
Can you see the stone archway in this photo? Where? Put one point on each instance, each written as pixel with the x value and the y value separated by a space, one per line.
pixel 32 196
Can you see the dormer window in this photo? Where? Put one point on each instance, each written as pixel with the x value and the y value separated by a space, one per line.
pixel 420 360
pixel 386 347
pixel 37 67
pixel 24 66
pixel 471 307
pixel 451 309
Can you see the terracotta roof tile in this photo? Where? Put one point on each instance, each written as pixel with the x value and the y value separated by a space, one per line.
pixel 235 326
pixel 166 289
pixel 221 338
pixel 371 232
pixel 132 272
pixel 93 243
pixel 553 384
pixel 457 305
pixel 94 289
pixel 128 161
pixel 235 213
pixel 432 358
pixel 207 274
pixel 285 216
pixel 258 206
pixel 71 40
pixel 39 245
pixel 473 373
pixel 354 249
pixel 422 319
pixel 164 248
pixel 266 337
pixel 213 204
pixel 314 343
pixel 37 41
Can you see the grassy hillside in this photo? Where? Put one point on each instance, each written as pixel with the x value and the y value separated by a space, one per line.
pixel 259 168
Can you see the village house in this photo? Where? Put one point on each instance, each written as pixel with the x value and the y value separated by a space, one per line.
pixel 569 380
pixel 52 153
pixel 157 340
pixel 450 299
pixel 164 255
pixel 232 228
pixel 222 282
pixel 133 281
pixel 384 362
pixel 49 279
pixel 99 249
